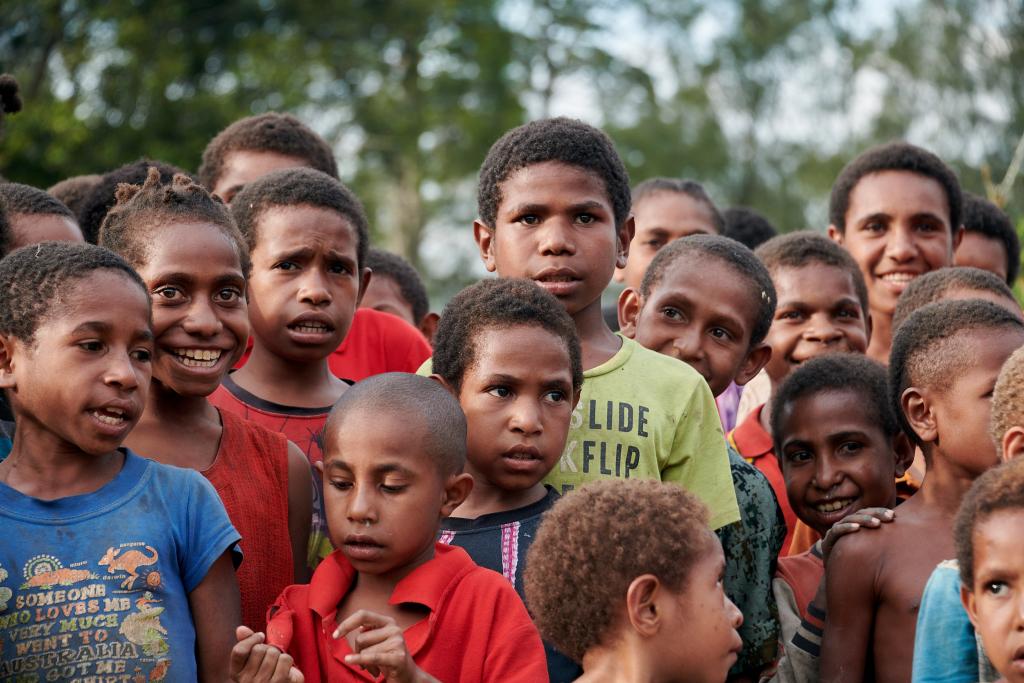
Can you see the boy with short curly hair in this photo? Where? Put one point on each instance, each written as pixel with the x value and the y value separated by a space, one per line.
pixel 626 578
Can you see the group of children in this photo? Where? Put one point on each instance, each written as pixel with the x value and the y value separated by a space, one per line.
pixel 241 447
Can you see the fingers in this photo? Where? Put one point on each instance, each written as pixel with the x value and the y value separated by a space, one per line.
pixel 390 661
pixel 364 619
pixel 243 632
pixel 242 653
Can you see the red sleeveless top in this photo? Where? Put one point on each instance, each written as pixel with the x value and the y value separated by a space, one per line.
pixel 250 473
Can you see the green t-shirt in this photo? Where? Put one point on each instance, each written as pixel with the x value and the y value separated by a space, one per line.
pixel 645 415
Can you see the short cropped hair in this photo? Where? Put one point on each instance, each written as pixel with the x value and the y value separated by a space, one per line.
pixel 736 256
pixel 104 194
pixel 270 132
pixel 934 285
pixel 410 284
pixel 561 139
pixel 595 541
pixel 73 191
pixel 837 372
pixel 25 199
pixel 928 351
pixel 690 188
pixel 1008 399
pixel 37 278
pixel 745 225
pixel 895 156
pixel 499 303
pixel 6 234
pixel 805 247
pixel 141 210
pixel 985 218
pixel 299 187
pixel 999 489
pixel 409 396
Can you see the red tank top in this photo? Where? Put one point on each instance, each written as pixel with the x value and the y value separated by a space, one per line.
pixel 250 473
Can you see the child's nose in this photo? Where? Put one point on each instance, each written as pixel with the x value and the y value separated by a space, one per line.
pixel 314 288
pixel 202 320
pixel 556 238
pixel 735 615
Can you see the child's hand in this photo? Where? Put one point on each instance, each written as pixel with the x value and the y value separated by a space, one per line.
pixel 254 662
pixel 379 648
pixel 870 518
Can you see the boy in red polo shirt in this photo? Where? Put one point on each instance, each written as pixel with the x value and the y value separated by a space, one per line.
pixel 390 601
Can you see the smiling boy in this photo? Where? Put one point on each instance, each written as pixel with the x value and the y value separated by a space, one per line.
pixel 391 601
pixel 897 209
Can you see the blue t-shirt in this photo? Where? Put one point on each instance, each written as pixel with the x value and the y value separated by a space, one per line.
pixel 95 587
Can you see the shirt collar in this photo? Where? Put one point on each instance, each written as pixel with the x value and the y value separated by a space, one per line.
pixel 426 585
pixel 750 438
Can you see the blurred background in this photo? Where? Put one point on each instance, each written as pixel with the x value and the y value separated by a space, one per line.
pixel 763 101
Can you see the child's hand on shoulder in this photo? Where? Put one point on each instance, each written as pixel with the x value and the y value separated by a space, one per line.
pixel 866 518
pixel 379 648
pixel 254 662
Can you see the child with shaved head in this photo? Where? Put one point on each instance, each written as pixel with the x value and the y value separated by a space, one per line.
pixel 390 601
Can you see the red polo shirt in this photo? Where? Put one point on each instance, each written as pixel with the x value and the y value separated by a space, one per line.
pixel 755 445
pixel 478 629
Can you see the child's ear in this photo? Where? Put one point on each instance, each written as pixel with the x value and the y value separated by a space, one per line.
pixel 428 326
pixel 967 598
pixel 484 237
pixel 7 344
pixel 869 325
pixel 755 361
pixel 835 234
pixel 629 311
pixel 365 274
pixel 642 604
pixel 919 414
pixel 958 237
pixel 1013 443
pixel 624 236
pixel 456 490
pixel 904 451
pixel 444 383
pixel 576 397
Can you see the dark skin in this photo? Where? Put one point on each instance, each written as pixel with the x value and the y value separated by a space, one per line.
pixel 875 581
pixel 195 279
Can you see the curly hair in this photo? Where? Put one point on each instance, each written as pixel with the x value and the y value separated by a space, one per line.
pixel 384 264
pixel 929 349
pixel 561 139
pixel 595 541
pixel 1008 399
pixel 6 233
pixel 895 156
pixel 935 286
pixel 407 396
pixel 128 227
pixel 294 187
pixel 104 194
pixel 997 490
pixel 985 218
pixel 270 132
pixel 745 225
pixel 736 256
pixel 499 303
pixel 805 247
pixel 37 278
pixel 835 373
pixel 690 188
pixel 33 201
pixel 73 191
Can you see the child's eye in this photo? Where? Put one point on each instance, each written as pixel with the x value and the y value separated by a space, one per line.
pixel 142 355
pixel 285 265
pixel 996 587
pixel 848 313
pixel 170 293
pixel 926 226
pixel 655 243
pixel 555 396
pixel 720 333
pixel 91 346
pixel 392 488
pixel 338 268
pixel 672 313
pixel 790 315
pixel 798 456
pixel 529 219
pixel 850 448
pixel 500 392
pixel 586 218
pixel 228 295
pixel 875 226
pixel 341 485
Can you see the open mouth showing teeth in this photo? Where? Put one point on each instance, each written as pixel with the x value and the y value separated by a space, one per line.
pixel 114 417
pixel 198 358
pixel 520 456
pixel 310 328
pixel 833 505
pixel 899 278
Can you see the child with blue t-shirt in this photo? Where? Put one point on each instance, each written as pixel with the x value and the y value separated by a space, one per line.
pixel 113 566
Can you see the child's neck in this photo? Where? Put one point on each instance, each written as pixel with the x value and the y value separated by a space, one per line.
pixel 881 337
pixel 44 466
pixel 597 341
pixel 617 664
pixel 179 430
pixel 486 498
pixel 301 384
pixel 944 484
